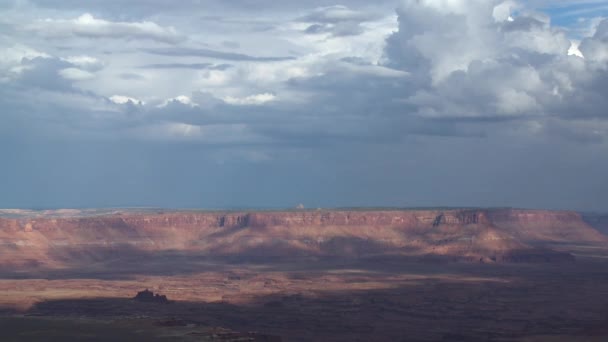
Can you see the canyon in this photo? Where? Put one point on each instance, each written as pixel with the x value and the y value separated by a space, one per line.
pixel 304 275
pixel 486 235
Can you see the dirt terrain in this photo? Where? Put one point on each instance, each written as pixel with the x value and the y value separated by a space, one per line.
pixel 408 275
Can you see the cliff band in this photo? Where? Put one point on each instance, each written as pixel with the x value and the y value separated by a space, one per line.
pixel 468 234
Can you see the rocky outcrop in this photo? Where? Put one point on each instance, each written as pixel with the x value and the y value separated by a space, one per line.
pixel 471 234
pixel 148 296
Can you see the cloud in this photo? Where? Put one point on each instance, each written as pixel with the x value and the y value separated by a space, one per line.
pixel 336 20
pixel 155 7
pixel 510 66
pixel 501 68
pixel 181 99
pixel 88 26
pixel 341 29
pixel 14 58
pixel 130 76
pixel 596 47
pixel 336 14
pixel 209 66
pixel 75 74
pixel 121 99
pixel 42 72
pixel 574 49
pixel 196 52
pixel 258 99
pixel 86 62
pixel 467 95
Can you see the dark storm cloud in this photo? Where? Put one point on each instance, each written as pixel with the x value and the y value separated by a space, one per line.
pixel 460 107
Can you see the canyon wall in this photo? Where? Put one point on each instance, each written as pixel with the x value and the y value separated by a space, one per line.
pixel 471 234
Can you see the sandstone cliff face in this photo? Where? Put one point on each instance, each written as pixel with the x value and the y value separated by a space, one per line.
pixel 537 226
pixel 491 235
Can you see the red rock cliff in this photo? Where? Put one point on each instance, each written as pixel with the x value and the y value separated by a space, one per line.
pixel 472 234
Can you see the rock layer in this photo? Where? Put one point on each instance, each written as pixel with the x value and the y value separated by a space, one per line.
pixel 469 234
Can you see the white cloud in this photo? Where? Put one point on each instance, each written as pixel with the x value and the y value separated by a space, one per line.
pixel 337 13
pixel 74 74
pixel 503 11
pixel 446 6
pixel 482 65
pixel 11 58
pixel 183 130
pixel 183 99
pixel 596 47
pixel 85 62
pixel 121 99
pixel 574 50
pixel 88 26
pixel 485 60
pixel 258 99
pixel 511 101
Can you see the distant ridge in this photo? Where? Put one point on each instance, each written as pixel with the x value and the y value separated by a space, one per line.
pixel 50 238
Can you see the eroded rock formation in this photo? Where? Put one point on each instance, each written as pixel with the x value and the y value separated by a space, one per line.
pixel 148 296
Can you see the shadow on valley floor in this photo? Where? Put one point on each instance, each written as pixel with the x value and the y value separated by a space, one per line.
pixel 170 264
pixel 167 264
pixel 128 262
pixel 421 311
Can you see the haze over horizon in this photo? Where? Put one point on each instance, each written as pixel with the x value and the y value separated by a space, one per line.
pixel 266 104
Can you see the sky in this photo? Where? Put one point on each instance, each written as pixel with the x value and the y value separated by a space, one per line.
pixel 271 104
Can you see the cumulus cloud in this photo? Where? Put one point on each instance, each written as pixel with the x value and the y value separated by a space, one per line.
pixel 448 50
pixel 596 47
pixel 490 61
pixel 506 65
pixel 88 26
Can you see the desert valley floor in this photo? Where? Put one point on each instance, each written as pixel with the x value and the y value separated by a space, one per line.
pixel 473 275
